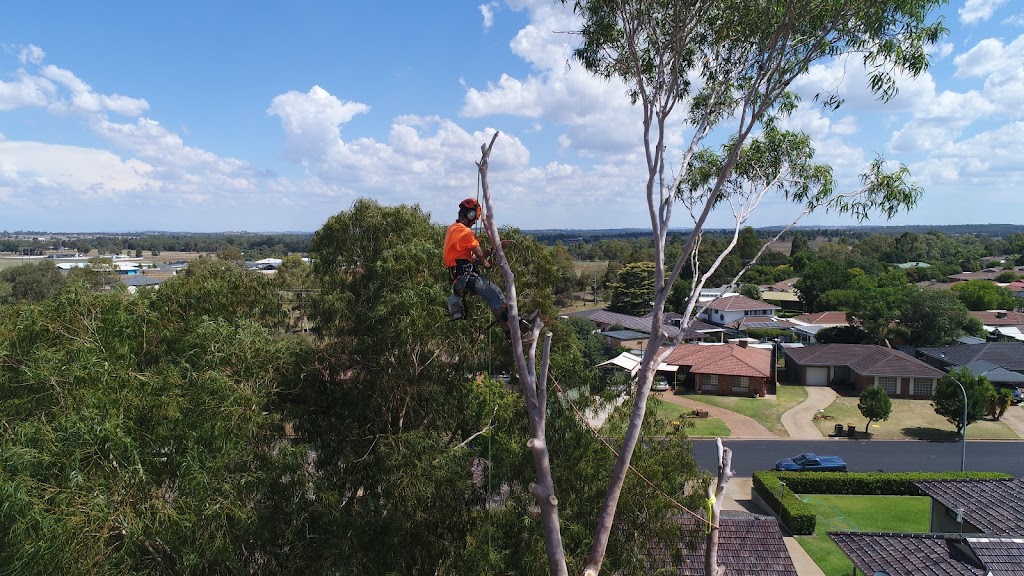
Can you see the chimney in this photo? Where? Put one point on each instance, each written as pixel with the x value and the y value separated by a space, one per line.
pixel 1001 314
pixel 742 343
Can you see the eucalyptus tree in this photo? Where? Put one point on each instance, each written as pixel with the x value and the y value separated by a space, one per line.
pixel 725 67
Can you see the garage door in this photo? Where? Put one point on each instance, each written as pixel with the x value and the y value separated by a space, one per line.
pixel 817 376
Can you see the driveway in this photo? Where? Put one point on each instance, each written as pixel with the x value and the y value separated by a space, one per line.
pixel 799 420
pixel 741 426
pixel 1014 418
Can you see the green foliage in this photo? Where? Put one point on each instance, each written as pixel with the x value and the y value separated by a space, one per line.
pixel 842 335
pixel 819 278
pixel 936 318
pixel 137 441
pixel 875 405
pixel 949 398
pixel 633 293
pixel 765 334
pixel 998 403
pixel 796 515
pixel 30 282
pixel 984 295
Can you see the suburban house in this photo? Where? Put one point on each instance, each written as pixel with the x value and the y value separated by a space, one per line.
pixel 997 375
pixel 862 366
pixel 976 527
pixel 806 326
pixel 986 274
pixel 724 369
pixel 606 321
pixel 748 545
pixel 728 309
pixel 1017 288
pixel 1009 355
pixel 628 362
pixel 784 293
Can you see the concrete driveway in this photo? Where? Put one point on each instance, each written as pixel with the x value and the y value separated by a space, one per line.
pixel 799 420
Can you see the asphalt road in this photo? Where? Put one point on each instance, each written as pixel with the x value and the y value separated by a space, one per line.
pixel 869 455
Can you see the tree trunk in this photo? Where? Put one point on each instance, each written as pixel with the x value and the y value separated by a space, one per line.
pixel 534 385
pixel 715 493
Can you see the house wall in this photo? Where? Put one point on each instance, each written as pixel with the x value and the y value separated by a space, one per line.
pixel 904 387
pixel 758 386
pixel 943 520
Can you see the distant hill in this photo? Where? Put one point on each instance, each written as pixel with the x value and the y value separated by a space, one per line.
pixel 570 235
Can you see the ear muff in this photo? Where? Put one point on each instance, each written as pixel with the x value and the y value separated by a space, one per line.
pixel 471 208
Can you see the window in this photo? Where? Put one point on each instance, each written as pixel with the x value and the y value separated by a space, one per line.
pixel 923 387
pixel 709 381
pixel 887 383
pixel 739 383
pixel 841 374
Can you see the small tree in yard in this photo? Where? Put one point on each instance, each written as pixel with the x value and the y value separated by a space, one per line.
pixel 949 400
pixel 998 403
pixel 874 405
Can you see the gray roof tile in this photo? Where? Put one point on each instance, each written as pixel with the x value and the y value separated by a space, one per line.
pixel 865 359
pixel 748 545
pixel 907 554
pixel 996 507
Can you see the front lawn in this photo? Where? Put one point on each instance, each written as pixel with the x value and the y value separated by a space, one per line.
pixel 859 514
pixel 693 427
pixel 765 410
pixel 910 419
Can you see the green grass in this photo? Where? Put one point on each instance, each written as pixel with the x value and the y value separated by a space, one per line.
pixel 910 419
pixel 701 427
pixel 859 514
pixel 694 427
pixel 765 410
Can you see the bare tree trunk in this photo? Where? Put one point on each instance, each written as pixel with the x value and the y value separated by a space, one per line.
pixel 715 493
pixel 534 385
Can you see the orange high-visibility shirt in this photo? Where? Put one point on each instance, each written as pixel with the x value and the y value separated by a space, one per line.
pixel 459 242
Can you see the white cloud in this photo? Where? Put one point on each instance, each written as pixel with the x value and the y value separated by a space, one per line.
pixel 487 11
pixel 83 99
pixel 31 54
pixel 312 121
pixel 48 173
pixel 26 90
pixel 1002 67
pixel 978 10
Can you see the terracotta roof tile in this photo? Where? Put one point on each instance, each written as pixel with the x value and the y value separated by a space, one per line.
pixel 726 359
pixel 829 318
pixel 731 303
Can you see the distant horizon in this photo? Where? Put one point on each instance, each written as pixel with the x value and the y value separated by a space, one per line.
pixel 938 227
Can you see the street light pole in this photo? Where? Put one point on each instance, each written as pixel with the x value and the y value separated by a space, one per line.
pixel 963 430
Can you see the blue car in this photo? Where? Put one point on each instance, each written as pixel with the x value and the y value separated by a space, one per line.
pixel 811 463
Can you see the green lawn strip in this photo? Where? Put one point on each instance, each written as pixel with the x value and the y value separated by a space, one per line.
pixel 694 427
pixel 764 410
pixel 910 419
pixel 712 427
pixel 838 513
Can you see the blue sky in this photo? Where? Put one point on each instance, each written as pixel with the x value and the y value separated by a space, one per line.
pixel 272 116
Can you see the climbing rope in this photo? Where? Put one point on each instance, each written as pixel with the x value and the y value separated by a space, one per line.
pixel 639 474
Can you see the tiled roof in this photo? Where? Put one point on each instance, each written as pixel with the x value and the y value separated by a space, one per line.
pixel 830 318
pixel 906 554
pixel 643 323
pixel 1009 355
pixel 864 359
pixel 726 359
pixel 760 322
pixel 748 545
pixel 1003 556
pixel 999 317
pixel 733 303
pixel 996 507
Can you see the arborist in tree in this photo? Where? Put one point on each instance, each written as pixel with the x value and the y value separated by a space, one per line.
pixel 462 255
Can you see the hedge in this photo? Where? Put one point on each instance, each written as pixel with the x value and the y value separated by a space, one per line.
pixel 800 518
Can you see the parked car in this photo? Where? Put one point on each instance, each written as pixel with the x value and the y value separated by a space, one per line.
pixel 659 385
pixel 1017 397
pixel 811 463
